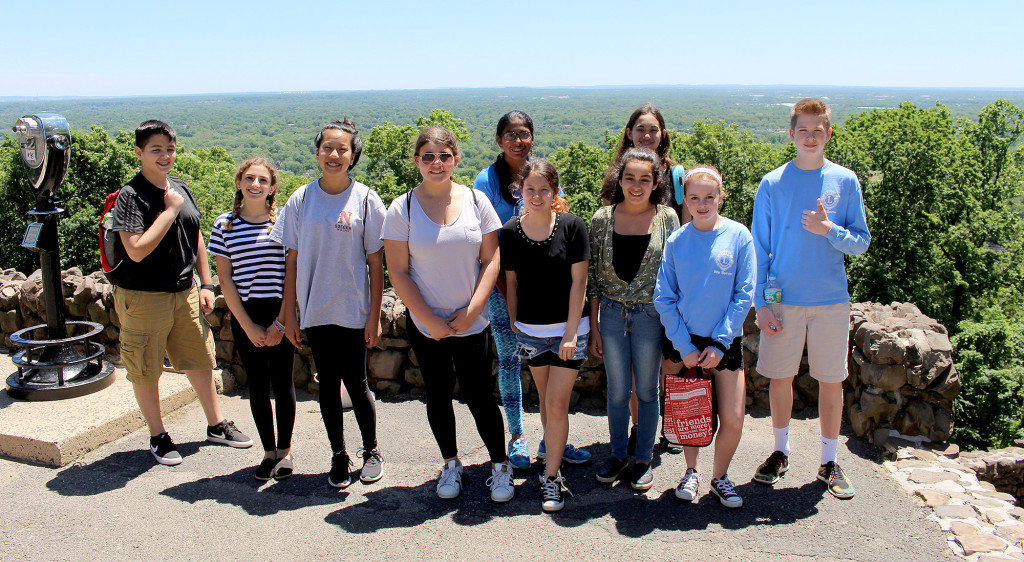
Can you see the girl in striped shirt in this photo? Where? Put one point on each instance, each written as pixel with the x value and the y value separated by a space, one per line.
pixel 251 269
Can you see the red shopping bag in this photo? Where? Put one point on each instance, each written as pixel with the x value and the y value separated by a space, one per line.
pixel 691 417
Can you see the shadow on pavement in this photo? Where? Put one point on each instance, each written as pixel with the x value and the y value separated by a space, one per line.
pixel 259 498
pixel 112 472
pixel 635 514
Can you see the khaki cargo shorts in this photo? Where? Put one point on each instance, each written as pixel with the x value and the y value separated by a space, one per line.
pixel 158 324
pixel 826 329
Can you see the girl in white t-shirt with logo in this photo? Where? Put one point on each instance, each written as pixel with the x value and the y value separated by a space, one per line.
pixel 335 276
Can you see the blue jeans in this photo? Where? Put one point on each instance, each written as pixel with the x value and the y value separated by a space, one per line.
pixel 631 335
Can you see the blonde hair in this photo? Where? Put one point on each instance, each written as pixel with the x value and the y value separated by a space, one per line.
pixel 694 174
pixel 236 207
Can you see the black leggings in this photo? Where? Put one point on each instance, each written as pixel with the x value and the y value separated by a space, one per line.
pixel 340 355
pixel 472 367
pixel 266 367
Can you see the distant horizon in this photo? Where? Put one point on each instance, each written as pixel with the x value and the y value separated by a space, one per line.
pixel 14 99
pixel 196 47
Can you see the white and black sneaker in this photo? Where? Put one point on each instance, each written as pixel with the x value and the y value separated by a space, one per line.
pixel 689 486
pixel 726 492
pixel 551 490
pixel 226 433
pixel 163 450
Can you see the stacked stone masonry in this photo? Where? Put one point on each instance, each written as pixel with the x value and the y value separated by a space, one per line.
pixel 902 377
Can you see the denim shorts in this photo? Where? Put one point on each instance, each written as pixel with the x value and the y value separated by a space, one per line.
pixel 540 352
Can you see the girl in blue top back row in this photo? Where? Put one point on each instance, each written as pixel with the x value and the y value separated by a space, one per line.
pixel 703 294
pixel 514 134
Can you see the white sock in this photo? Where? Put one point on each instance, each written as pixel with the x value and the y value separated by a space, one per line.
pixel 828 449
pixel 781 439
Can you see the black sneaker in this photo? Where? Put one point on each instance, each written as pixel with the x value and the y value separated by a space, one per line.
pixel 340 477
pixel 631 445
pixel 611 470
pixel 373 466
pixel 163 450
pixel 265 471
pixel 226 433
pixel 772 469
pixel 551 490
pixel 670 447
pixel 641 478
pixel 838 484
pixel 726 492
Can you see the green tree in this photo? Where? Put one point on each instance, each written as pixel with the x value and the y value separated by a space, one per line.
pixel 581 168
pixel 742 160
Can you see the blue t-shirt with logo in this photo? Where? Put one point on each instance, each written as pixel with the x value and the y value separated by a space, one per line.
pixel 705 284
pixel 809 267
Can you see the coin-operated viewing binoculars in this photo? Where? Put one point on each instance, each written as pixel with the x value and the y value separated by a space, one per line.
pixel 59 365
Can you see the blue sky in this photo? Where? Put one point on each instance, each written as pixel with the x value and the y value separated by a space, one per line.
pixel 148 48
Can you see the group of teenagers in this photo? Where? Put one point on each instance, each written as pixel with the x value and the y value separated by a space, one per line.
pixel 659 283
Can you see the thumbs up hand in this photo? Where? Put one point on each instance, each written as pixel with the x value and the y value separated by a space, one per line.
pixel 817 221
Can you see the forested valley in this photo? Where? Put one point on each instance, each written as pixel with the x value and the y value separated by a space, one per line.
pixel 943 177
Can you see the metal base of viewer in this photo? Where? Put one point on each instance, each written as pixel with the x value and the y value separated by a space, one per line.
pixel 41 384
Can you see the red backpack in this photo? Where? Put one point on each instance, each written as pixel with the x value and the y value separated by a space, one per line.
pixel 110 257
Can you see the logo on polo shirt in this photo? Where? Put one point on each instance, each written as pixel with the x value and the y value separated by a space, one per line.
pixel 724 261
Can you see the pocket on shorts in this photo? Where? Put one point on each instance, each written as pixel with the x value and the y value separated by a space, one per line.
pixel 526 349
pixel 581 347
pixel 133 351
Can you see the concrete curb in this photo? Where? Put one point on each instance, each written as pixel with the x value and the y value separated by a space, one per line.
pixel 55 433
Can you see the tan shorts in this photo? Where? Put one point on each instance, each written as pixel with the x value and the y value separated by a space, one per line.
pixel 826 329
pixel 158 324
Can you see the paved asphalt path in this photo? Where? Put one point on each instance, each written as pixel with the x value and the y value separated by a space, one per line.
pixel 116 503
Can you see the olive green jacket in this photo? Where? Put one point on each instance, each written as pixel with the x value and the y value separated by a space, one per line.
pixel 602 280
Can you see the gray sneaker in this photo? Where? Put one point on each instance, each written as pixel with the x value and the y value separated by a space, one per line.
pixel 373 466
pixel 688 486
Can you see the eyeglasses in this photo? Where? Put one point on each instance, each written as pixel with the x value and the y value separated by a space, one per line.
pixel 428 157
pixel 512 135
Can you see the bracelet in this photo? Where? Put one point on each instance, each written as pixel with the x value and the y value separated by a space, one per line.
pixel 279 325
pixel 207 286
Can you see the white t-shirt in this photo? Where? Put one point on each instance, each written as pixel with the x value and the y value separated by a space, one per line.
pixel 333 234
pixel 444 260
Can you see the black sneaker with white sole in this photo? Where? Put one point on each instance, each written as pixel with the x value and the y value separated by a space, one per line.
pixel 226 433
pixel 163 450
pixel 340 476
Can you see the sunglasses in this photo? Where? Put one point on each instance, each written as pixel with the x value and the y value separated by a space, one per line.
pixel 428 157
pixel 512 135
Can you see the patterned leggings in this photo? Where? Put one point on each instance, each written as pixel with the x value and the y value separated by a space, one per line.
pixel 508 362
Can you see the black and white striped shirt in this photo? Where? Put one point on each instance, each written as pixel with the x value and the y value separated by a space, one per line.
pixel 257 262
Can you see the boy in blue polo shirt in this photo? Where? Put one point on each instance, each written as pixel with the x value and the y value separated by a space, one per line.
pixel 808 214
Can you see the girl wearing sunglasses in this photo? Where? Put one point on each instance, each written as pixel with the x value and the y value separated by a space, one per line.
pixel 441 243
pixel 514 135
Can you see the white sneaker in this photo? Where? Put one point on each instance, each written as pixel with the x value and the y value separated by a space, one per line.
pixel 688 485
pixel 500 483
pixel 449 485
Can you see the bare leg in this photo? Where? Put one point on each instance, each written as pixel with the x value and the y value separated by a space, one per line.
pixel 780 395
pixel 540 378
pixel 830 408
pixel 731 389
pixel 206 390
pixel 148 397
pixel 556 432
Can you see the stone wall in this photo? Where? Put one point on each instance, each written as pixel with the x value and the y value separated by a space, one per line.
pixel 901 373
pixel 1004 468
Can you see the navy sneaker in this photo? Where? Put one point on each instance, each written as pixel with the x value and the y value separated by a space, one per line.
pixel 611 469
